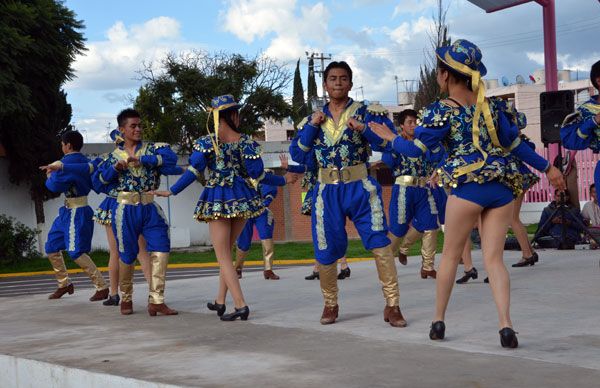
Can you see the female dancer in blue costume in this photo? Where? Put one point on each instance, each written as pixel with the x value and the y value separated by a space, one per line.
pixel 483 180
pixel 227 200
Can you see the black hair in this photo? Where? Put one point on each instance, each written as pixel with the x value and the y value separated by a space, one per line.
pixel 460 77
pixel 227 116
pixel 73 138
pixel 338 65
pixel 594 74
pixel 407 113
pixel 592 186
pixel 127 114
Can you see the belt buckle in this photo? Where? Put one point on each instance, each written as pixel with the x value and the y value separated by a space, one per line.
pixel 137 198
pixel 334 171
pixel 342 172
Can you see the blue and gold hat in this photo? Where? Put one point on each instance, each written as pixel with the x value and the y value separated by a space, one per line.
pixel 225 102
pixel 462 56
pixel 117 137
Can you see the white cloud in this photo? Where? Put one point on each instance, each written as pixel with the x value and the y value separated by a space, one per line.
pixel 112 63
pixel 412 7
pixel 566 61
pixel 293 28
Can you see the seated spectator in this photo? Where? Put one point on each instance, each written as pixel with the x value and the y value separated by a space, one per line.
pixel 552 222
pixel 591 216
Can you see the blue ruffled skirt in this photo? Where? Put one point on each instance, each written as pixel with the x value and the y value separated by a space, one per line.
pixel 237 201
pixel 103 214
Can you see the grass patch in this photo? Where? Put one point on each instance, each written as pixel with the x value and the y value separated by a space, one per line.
pixel 284 251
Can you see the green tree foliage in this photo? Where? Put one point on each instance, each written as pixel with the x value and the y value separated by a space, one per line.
pixel 17 241
pixel 299 110
pixel 177 92
pixel 39 40
pixel 428 90
pixel 311 91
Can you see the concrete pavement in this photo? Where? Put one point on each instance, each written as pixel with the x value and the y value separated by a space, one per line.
pixel 555 309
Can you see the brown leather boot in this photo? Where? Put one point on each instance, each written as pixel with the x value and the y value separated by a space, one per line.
pixel 161 308
pixel 426 273
pixel 269 274
pixel 61 291
pixel 394 316
pixel 402 258
pixel 99 295
pixel 127 308
pixel 330 314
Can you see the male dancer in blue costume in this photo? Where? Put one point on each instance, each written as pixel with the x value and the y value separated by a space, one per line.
pixel 135 168
pixel 265 222
pixel 413 210
pixel 73 229
pixel 340 137
pixel 581 129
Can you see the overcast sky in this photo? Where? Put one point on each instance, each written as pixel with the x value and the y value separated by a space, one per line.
pixel 379 38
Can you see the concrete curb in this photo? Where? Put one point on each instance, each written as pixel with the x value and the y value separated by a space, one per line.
pixel 185 265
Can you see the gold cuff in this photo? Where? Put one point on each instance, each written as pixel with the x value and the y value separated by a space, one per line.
pixel 420 144
pixel 126 281
pixel 75 202
pixel 328 280
pixel 409 239
pixel 159 261
pixel 60 270
pixel 194 171
pixel 344 174
pixel 303 147
pixel 88 266
pixel 240 257
pixel 428 249
pixel 268 248
pixel 386 269
pixel 159 160
pixel 515 144
pixel 581 134
pixel 134 198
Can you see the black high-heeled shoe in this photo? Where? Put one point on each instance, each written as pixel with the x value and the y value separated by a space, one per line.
pixel 438 330
pixel 470 274
pixel 344 273
pixel 314 275
pixel 219 308
pixel 536 258
pixel 241 312
pixel 526 261
pixel 508 338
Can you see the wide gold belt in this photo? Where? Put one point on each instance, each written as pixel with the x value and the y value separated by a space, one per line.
pixel 134 198
pixel 75 202
pixel 344 174
pixel 409 180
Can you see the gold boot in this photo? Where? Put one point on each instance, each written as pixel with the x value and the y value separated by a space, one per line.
pixel 240 257
pixel 428 253
pixel 88 266
pixel 329 288
pixel 395 247
pixel 126 287
pixel 386 269
pixel 268 248
pixel 156 298
pixel 409 239
pixel 61 274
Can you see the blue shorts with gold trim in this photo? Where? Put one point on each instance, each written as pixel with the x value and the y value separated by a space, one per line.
pixel 360 201
pixel 412 205
pixel 265 224
pixel 72 231
pixel 131 221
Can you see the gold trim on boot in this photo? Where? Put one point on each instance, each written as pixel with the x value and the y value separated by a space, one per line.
pixel 386 269
pixel 409 239
pixel 88 266
pixel 158 262
pixel 240 257
pixel 60 270
pixel 328 281
pixel 126 287
pixel 428 248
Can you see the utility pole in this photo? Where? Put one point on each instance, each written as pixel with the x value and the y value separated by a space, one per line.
pixel 322 57
pixel 397 92
pixel 108 132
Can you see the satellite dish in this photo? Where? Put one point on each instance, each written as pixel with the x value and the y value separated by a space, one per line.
pixel 532 78
pixel 520 80
pixel 505 81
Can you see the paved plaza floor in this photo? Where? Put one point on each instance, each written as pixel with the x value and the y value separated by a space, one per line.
pixel 555 309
